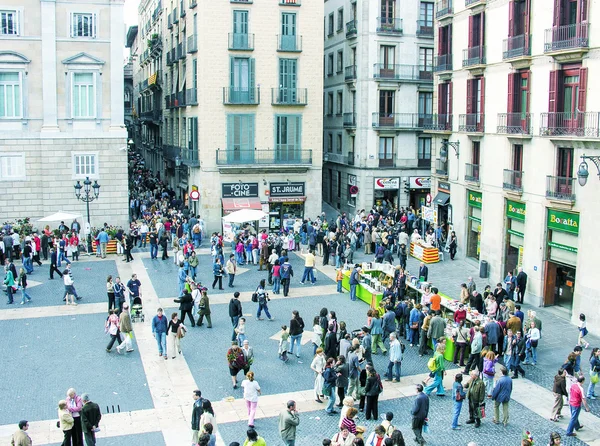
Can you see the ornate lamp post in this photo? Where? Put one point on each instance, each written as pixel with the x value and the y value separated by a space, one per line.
pixel 87 197
pixel 583 173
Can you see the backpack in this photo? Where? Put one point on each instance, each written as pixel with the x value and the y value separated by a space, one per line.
pixel 284 272
pixel 379 383
pixel 402 346
pixel 255 296
pixel 431 364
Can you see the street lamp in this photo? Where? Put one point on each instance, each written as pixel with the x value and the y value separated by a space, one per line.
pixel 444 150
pixel 87 198
pixel 583 173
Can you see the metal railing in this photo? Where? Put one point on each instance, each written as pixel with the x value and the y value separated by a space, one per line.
pixel 441 169
pixel 241 1
pixel 289 43
pixel 350 120
pixel 442 63
pixel 566 37
pixel 151 115
pixel 193 4
pixel 438 122
pixel 443 8
pixel 278 156
pixel 350 73
pixel 192 44
pixel 175 17
pixel 350 159
pixel 471 122
pixel 241 96
pixel 400 121
pixel 424 28
pixel 473 2
pixel 560 188
pixel 190 156
pixel 388 25
pixel 289 2
pixel 513 180
pixel 191 96
pixel 402 72
pixel 171 152
pixel 472 173
pixel 516 46
pixel 351 30
pixel 180 99
pixel 289 96
pixel 241 42
pixel 181 54
pixel 473 56
pixel 583 124
pixel 514 123
pixel 387 162
pixel 182 9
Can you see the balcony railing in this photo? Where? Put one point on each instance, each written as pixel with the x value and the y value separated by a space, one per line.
pixel 289 2
pixel 289 96
pixel 442 63
pixel 387 162
pixel 474 2
pixel 443 8
pixel 169 21
pixel 566 37
pixel 175 16
pixel 277 156
pixel 241 42
pixel 351 29
pixel 424 28
pixel 437 122
pixel 191 96
pixel 388 25
pixel 474 56
pixel 193 4
pixel 241 96
pixel 350 73
pixel 350 120
pixel 584 124
pixel 516 46
pixel 289 43
pixel 350 159
pixel 180 99
pixel 240 1
pixel 402 72
pixel 560 188
pixel 192 44
pixel 151 115
pixel 513 180
pixel 472 173
pixel 471 122
pixel 514 123
pixel 181 51
pixel 400 121
pixel 189 156
pixel 441 169
pixel 182 9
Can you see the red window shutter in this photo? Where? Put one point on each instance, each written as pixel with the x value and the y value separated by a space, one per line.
pixel 583 11
pixel 482 104
pixel 470 31
pixel 528 89
pixel 449 40
pixel 552 91
pixel 510 94
pixel 450 98
pixel 582 88
pixel 511 18
pixel 440 41
pixel 469 96
pixel 440 107
pixel 526 22
pixel 482 33
pixel 557 12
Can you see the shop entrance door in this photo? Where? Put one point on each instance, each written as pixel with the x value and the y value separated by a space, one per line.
pixel 559 285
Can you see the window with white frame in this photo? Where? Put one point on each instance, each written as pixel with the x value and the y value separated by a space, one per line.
pixel 84 95
pixel 12 166
pixel 9 22
pixel 83 25
pixel 10 95
pixel 85 165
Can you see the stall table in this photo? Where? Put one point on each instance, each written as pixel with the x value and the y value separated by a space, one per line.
pixel 425 253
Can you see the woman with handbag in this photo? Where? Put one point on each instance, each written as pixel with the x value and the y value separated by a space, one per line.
pixel 461 339
pixel 533 337
pixel 329 379
pixel 263 298
pixel 458 396
pixel 176 331
pixel 594 372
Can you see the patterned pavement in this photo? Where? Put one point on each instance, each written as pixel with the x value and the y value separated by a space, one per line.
pixel 150 438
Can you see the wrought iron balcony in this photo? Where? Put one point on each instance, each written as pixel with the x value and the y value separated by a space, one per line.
pixel 181 51
pixel 289 43
pixel 241 96
pixel 180 99
pixel 471 122
pixel 437 122
pixel 415 73
pixel 387 162
pixel 350 120
pixel 513 180
pixel 171 152
pixel 566 37
pixel 350 159
pixel 443 8
pixel 442 63
pixel 474 2
pixel 424 28
pixel 191 96
pixel 387 25
pixel 289 2
pixel 169 21
pixel 241 1
pixel 289 96
pixel 473 56
pixel 560 188
pixel 190 156
pixel 151 115
pixel 351 30
pixel 441 169
pixel 350 73
pixel 276 156
pixel 472 173
pixel 175 17
pixel 241 42
pixel 193 4
pixel 514 123
pixel 192 44
pixel 584 124
pixel 400 121
pixel 517 46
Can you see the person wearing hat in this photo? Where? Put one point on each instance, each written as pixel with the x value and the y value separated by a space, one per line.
pixel 90 419
pixel 21 437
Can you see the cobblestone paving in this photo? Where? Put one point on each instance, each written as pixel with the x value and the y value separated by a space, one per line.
pixel 147 439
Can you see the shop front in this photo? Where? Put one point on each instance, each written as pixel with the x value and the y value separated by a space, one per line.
pixel 386 192
pixel 474 204
pixel 286 204
pixel 515 230
pixel 561 254
pixel 441 203
pixel 419 188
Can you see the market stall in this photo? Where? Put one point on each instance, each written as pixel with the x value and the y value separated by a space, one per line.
pixel 375 277
pixel 424 252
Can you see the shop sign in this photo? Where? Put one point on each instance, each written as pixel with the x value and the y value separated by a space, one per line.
pixel 287 189
pixel 520 258
pixel 563 221
pixel 563 247
pixel 476 219
pixel 515 210
pixel 352 180
pixel 515 233
pixel 427 214
pixel 443 187
pixel 420 182
pixel 387 183
pixel 236 190
pixel 475 199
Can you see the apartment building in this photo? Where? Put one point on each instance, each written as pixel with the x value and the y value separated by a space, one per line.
pixel 515 116
pixel 378 98
pixel 61 108
pixel 241 119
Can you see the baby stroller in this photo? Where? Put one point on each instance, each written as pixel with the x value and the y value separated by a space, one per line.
pixel 137 311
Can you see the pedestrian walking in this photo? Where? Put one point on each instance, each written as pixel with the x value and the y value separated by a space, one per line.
pixel 489 371
pixel 235 312
pixel 594 372
pixel 576 400
pixel 240 330
pixel 251 394
pixel 231 269
pixel 377 333
pixel 284 344
pixel 476 346
pixel 501 396
pixel 176 330
pixel 186 303
pixel 439 367
pixel 420 412
pixel 90 419
pixel 253 439
pixel 583 331
pixel 159 330
pixel 341 383
pixel 125 329
pixel 119 291
pixel 288 422
pixel 74 406
pixel 25 297
pixel 354 281
pixel 112 329
pixel 65 423
pixel 286 272
pixel 476 397
pixel 21 437
pixel 218 274
pixel 559 391
pixel 395 360
pixel 309 265
pixel 263 298
pixel 196 414
pixel 458 396
pixel 110 292
pixel 373 388
pixel 204 310
pixel 248 355
pixel 296 330
pixel 236 362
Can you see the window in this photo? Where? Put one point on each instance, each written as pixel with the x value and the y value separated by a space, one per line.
pixel 9 23
pixel 518 19
pixel 240 138
pixel 387 10
pixel 287 80
pixel 386 102
pixel 10 95
pixel 340 103
pixel 339 143
pixel 329 104
pixel 445 99
pixel 426 14
pixel 339 184
pixel 85 165
pixel 475 153
pixel 288 136
pixel 330 65
pixel 425 103
pixel 288 32
pixel 242 80
pixel 445 40
pixel 517 161
pixel 329 142
pixel 340 20
pixel 476 30
pixel 83 25
pixel 570 12
pixel 387 55
pixel 340 61
pixel 475 103
pixel 426 59
pixel 568 96
pixel 193 136
pixel 386 152
pixel 424 153
pixel 330 27
pixel 84 99
pixel 12 166
pixel 564 162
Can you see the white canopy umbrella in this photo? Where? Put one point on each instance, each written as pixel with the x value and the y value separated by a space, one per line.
pixel 61 216
pixel 244 215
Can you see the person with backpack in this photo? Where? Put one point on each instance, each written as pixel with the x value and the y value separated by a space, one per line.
pixel 286 272
pixel 373 388
pixel 261 297
pixel 437 365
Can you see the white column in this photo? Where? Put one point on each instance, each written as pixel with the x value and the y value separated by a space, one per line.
pixel 117 43
pixel 49 86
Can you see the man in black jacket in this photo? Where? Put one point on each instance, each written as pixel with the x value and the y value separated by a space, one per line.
pixel 90 418
pixel 521 285
pixel 197 412
pixel 186 303
pixel 423 271
pixel 53 260
pixel 419 413
pixel 235 312
pixel 331 346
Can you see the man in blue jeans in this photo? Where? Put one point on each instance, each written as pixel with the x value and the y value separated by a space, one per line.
pixel 354 281
pixel 395 363
pixel 309 264
pixel 159 330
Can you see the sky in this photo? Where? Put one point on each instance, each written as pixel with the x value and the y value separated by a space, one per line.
pixel 131 7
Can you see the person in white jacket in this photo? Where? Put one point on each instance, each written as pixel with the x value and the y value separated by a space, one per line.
pixel 533 337
pixel 317 365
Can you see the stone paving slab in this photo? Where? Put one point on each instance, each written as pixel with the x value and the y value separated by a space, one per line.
pixel 145 439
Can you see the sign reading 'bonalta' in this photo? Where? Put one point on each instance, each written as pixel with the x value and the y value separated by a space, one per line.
pixel 563 221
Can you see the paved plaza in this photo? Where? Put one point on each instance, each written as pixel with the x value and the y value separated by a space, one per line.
pixel 51 347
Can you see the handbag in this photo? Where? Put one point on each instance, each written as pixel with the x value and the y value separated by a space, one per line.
pixel 459 397
pixel 482 410
pixel 594 378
